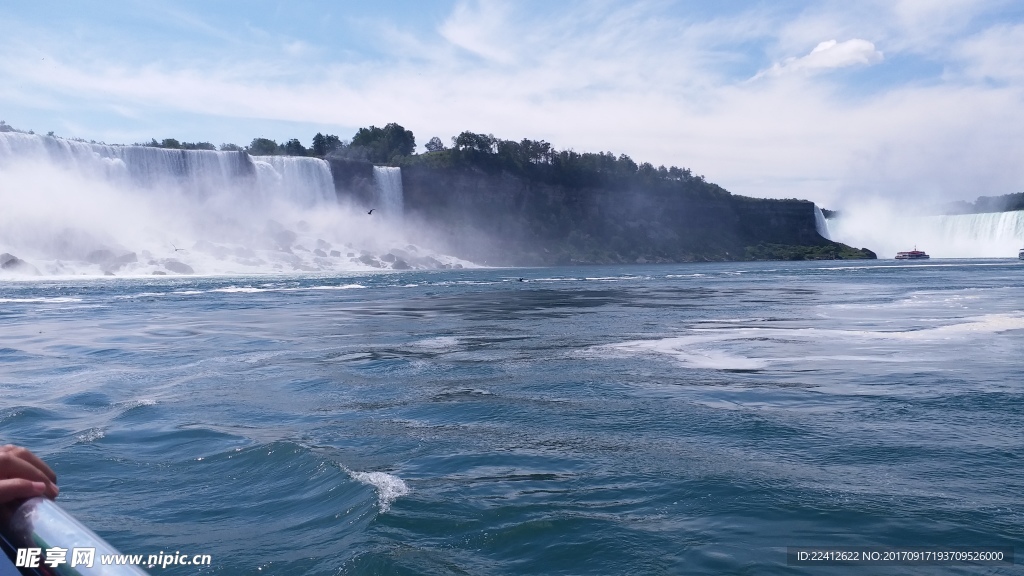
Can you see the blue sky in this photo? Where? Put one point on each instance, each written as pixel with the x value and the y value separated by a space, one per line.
pixel 830 101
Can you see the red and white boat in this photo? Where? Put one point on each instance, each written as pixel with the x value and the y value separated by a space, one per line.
pixel 914 254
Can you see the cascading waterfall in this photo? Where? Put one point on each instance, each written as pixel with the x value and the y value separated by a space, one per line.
pixel 305 182
pixel 199 172
pixel 988 235
pixel 820 224
pixel 389 191
pixel 70 207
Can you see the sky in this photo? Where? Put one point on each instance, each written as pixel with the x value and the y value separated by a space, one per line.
pixel 905 100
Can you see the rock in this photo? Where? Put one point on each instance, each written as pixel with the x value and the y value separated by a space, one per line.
pixel 178 267
pixel 159 273
pixel 322 244
pixel 335 254
pixel 370 261
pixel 12 263
pixel 458 266
pixel 9 260
pixel 285 239
pixel 301 248
pixel 99 256
pixel 109 261
pixel 389 257
pixel 351 254
pixel 320 253
pixel 401 265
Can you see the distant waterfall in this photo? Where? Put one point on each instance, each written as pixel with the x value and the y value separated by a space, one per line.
pixel 990 235
pixel 820 224
pixel 389 191
pixel 305 182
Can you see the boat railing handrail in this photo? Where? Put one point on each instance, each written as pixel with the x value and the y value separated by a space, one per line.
pixel 41 523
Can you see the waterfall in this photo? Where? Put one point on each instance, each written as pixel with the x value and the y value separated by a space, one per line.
pixel 989 235
pixel 69 207
pixel 389 191
pixel 302 181
pixel 820 224
pixel 201 173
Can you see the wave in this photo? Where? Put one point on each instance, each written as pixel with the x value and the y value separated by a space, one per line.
pixel 388 486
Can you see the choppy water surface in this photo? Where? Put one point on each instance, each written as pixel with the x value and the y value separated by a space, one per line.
pixel 657 420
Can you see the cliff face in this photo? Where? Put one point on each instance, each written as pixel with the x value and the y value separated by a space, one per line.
pixel 500 219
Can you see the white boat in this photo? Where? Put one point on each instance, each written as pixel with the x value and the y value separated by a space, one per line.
pixel 1021 254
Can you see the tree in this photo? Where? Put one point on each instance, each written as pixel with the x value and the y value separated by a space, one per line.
pixel 435 145
pixel 324 145
pixel 170 143
pixel 198 146
pixel 263 147
pixel 485 143
pixel 295 148
pixel 385 144
pixel 230 148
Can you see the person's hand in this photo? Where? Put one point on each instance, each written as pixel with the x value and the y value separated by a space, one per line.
pixel 23 475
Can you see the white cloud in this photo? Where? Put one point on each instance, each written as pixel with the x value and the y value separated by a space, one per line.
pixel 829 55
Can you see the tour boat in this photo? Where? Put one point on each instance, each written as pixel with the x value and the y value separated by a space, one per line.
pixel 914 254
pixel 1021 254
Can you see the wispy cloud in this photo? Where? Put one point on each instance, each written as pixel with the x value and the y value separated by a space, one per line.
pixel 828 55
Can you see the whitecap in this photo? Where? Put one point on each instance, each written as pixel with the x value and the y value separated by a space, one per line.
pixel 91 435
pixel 388 487
pixel 691 352
pixel 234 289
pixel 58 300
pixel 342 287
pixel 438 343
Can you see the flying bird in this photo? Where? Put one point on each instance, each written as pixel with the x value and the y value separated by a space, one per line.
pixel 176 249
pixel 371 210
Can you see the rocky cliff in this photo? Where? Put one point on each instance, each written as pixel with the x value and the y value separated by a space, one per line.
pixel 497 218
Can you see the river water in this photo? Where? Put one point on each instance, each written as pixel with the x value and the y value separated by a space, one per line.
pixel 683 419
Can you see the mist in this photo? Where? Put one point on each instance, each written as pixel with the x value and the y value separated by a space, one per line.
pixel 73 208
pixel 886 228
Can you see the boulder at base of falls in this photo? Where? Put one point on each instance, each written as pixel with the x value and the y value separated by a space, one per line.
pixel 178 267
pixel 12 263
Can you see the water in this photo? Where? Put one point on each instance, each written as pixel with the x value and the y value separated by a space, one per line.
pixel 821 224
pixel 990 235
pixel 677 419
pixel 390 199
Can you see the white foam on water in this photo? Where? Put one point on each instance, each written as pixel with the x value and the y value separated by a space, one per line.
pixel 388 486
pixel 438 343
pixel 91 435
pixel 689 351
pixel 242 289
pixel 60 300
pixel 342 287
pixel 703 347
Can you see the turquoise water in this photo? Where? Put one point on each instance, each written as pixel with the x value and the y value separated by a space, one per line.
pixel 685 419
